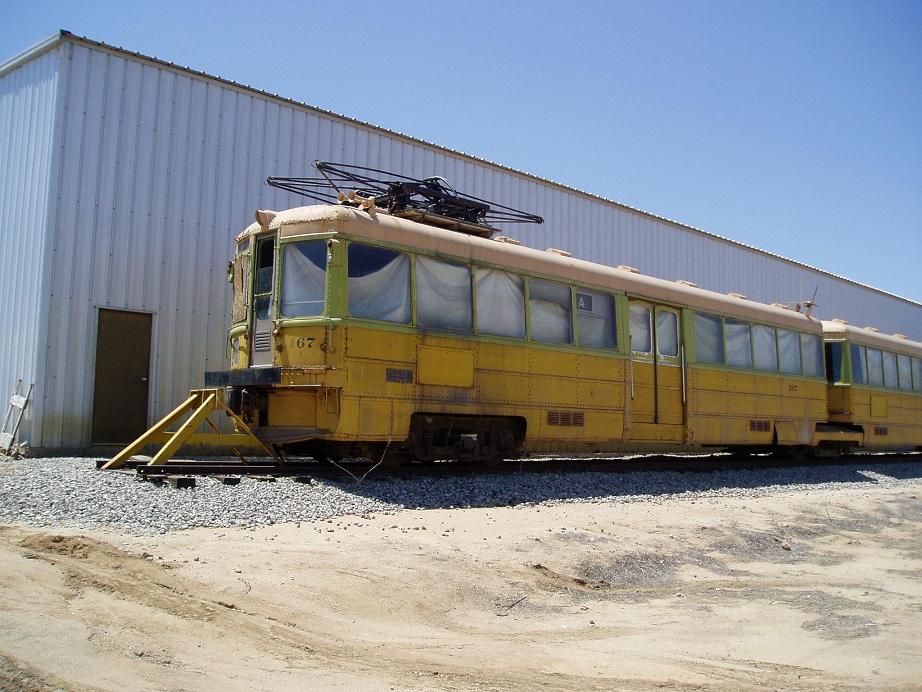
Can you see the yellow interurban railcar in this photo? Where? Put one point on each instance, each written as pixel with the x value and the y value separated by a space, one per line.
pixel 875 385
pixel 358 333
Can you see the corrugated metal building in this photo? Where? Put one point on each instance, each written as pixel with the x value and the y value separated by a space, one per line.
pixel 125 179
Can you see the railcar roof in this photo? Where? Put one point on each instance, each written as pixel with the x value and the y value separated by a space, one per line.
pixel 837 329
pixel 381 226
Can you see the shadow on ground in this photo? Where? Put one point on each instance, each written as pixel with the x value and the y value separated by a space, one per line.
pixel 515 487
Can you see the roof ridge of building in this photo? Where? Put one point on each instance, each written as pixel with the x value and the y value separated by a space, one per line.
pixel 63 36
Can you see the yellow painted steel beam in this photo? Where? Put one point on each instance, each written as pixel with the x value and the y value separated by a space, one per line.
pixel 186 429
pixel 213 439
pixel 238 422
pixel 150 437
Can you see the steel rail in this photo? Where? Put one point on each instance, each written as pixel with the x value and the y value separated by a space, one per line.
pixel 563 466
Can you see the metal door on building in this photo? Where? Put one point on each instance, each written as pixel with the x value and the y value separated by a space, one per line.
pixel 261 348
pixel 656 408
pixel 121 384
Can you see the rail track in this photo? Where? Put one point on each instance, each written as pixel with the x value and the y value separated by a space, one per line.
pixel 364 469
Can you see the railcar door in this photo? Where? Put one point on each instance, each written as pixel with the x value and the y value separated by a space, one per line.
pixel 656 408
pixel 261 347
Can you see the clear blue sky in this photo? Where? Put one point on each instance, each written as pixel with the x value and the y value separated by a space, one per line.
pixel 789 125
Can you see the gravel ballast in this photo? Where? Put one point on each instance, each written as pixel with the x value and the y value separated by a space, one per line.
pixel 72 492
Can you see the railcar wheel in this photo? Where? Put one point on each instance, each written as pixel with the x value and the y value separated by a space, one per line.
pixel 486 439
pixel 794 453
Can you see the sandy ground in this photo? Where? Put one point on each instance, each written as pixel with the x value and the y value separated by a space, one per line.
pixel 797 591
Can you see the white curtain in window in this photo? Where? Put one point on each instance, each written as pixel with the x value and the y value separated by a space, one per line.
pixel 890 379
pixel 443 295
pixel 789 351
pixel 384 294
pixel 765 348
pixel 549 305
pixel 667 333
pixel 550 322
pixel 595 315
pixel 303 283
pixel 500 303
pixel 917 374
pixel 739 344
pixel 904 365
pixel 812 355
pixel 709 344
pixel 641 339
pixel 875 368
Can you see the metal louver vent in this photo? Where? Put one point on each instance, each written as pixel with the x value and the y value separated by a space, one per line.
pixel 569 419
pixel 262 341
pixel 760 425
pixel 881 430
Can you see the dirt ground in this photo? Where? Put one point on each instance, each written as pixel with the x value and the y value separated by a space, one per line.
pixel 796 591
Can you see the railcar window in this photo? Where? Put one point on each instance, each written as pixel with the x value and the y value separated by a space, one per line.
pixel 500 303
pixel 875 368
pixel 904 365
pixel 765 348
pixel 812 355
pixel 739 343
pixel 265 261
pixel 890 376
pixel 789 351
pixel 304 278
pixel 595 317
pixel 549 307
pixel 917 374
pixel 379 283
pixel 443 295
pixel 667 333
pixel 859 365
pixel 709 342
pixel 833 362
pixel 641 331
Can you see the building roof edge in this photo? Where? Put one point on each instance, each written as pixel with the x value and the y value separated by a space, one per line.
pixel 64 35
pixel 32 52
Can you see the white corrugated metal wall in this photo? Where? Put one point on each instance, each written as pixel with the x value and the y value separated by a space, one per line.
pixel 27 110
pixel 160 167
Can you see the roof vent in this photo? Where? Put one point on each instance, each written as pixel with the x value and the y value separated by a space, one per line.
pixel 684 282
pixel 555 251
pixel 624 267
pixel 506 239
pixel 901 336
pixel 737 295
pixel 839 320
pixel 264 217
pixel 782 306
pixel 872 329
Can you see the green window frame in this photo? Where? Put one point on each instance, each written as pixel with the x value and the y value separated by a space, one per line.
pixel 379 283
